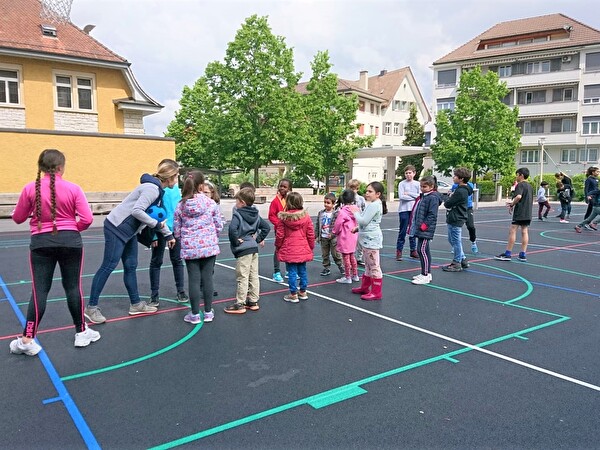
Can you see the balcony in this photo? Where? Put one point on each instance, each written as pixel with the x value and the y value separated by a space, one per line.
pixel 543 79
pixel 529 140
pixel 556 109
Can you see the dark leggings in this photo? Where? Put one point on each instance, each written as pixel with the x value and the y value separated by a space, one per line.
pixel 200 279
pixel 471 225
pixel 424 255
pixel 42 264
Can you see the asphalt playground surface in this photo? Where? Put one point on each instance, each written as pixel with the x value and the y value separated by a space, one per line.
pixel 501 355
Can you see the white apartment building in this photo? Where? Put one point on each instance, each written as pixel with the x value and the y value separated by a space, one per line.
pixel 551 64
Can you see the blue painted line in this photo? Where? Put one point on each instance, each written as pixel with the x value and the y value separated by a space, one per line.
pixel 51 400
pixel 63 394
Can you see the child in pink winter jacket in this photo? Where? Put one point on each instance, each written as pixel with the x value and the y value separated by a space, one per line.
pixel 345 228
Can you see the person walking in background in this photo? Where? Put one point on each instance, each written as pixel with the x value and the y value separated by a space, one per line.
pixel 521 209
pixel 591 184
pixel 470 218
pixel 59 212
pixel 326 238
pixel 120 242
pixel 359 201
pixel 345 231
pixel 278 204
pixel 589 223
pixel 563 192
pixel 371 239
pixel 456 217
pixel 423 224
pixel 171 197
pixel 246 231
pixel 543 201
pixel 294 243
pixel 408 191
pixel 198 222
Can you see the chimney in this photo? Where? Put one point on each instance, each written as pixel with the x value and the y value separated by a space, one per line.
pixel 383 72
pixel 363 81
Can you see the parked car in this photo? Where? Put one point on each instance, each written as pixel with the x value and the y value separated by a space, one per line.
pixel 315 184
pixel 444 189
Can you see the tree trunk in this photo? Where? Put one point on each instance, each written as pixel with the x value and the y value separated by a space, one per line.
pixel 256 177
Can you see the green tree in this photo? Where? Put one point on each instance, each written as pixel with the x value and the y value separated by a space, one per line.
pixel 331 120
pixel 481 133
pixel 414 135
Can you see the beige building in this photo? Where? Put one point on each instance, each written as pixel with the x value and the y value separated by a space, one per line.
pixel 60 88
pixel 551 64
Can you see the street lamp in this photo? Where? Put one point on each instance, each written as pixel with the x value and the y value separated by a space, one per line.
pixel 541 142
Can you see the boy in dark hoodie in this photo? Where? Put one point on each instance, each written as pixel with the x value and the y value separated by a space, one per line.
pixel 246 230
pixel 456 216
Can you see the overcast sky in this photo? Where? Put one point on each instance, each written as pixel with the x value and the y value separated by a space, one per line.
pixel 170 42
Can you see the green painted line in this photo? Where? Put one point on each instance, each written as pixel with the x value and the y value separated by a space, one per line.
pixel 452 360
pixel 524 338
pixel 136 360
pixel 335 396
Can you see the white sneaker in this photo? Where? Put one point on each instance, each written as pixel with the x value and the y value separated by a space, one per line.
pixel 86 337
pixel 18 347
pixel 422 279
pixel 356 278
pixel 344 280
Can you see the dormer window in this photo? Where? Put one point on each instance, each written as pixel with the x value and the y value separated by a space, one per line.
pixel 48 30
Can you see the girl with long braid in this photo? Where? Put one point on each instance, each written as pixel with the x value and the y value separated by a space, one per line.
pixel 59 211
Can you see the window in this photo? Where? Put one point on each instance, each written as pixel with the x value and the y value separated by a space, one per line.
pixel 565 125
pixel 537 67
pixel 588 155
pixel 591 125
pixel 535 97
pixel 396 105
pixel 371 130
pixel 592 62
pixel 372 108
pixel 9 87
pixel 533 126
pixel 445 103
pixel 504 71
pixel 562 95
pixel 396 129
pixel 74 92
pixel 361 129
pixel 446 77
pixel 568 156
pixel 591 93
pixel 387 128
pixel 400 129
pixel 376 131
pixel 361 105
pixel 530 156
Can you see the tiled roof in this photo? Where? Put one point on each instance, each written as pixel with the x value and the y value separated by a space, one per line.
pixel 579 35
pixel 20 29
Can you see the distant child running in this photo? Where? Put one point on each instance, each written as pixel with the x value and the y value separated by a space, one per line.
pixel 325 236
pixel 371 239
pixel 278 204
pixel 543 201
pixel 591 221
pixel 456 217
pixel 345 230
pixel 294 243
pixel 422 226
pixel 246 231
pixel 198 222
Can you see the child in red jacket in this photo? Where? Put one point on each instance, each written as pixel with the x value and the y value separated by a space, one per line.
pixel 277 205
pixel 294 243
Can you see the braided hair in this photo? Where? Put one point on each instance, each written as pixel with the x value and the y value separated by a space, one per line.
pixel 49 161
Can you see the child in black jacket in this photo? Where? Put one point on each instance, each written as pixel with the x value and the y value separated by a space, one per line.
pixel 456 216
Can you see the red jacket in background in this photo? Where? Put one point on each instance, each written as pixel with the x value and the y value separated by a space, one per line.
pixel 277 205
pixel 294 236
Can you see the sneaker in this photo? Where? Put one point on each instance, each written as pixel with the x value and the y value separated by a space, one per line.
pixel 593 226
pixel 522 257
pixel 192 318
pixel 93 314
pixel 238 308
pixel 344 280
pixel 578 228
pixel 398 255
pixel 277 277
pixel 182 297
pixel 503 257
pixel 286 275
pixel 141 308
pixel 154 301
pixel 566 221
pixel 414 254
pixel 539 218
pixel 209 316
pixel 356 278
pixel 215 294
pixel 453 267
pixel 292 298
pixel 325 272
pixel 86 337
pixel 422 279
pixel 474 248
pixel 302 295
pixel 360 262
pixel 464 264
pixel 587 227
pixel 19 348
pixel 252 306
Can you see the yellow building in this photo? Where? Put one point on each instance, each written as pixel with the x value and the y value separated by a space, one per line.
pixel 60 88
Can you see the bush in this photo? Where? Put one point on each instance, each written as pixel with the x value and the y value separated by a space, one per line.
pixel 486 187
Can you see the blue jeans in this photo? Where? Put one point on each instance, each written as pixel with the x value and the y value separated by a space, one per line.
pixel 404 217
pixel 455 239
pixel 158 253
pixel 294 271
pixel 114 250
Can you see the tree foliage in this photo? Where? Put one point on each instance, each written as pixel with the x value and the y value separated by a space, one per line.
pixel 330 117
pixel 414 135
pixel 481 133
